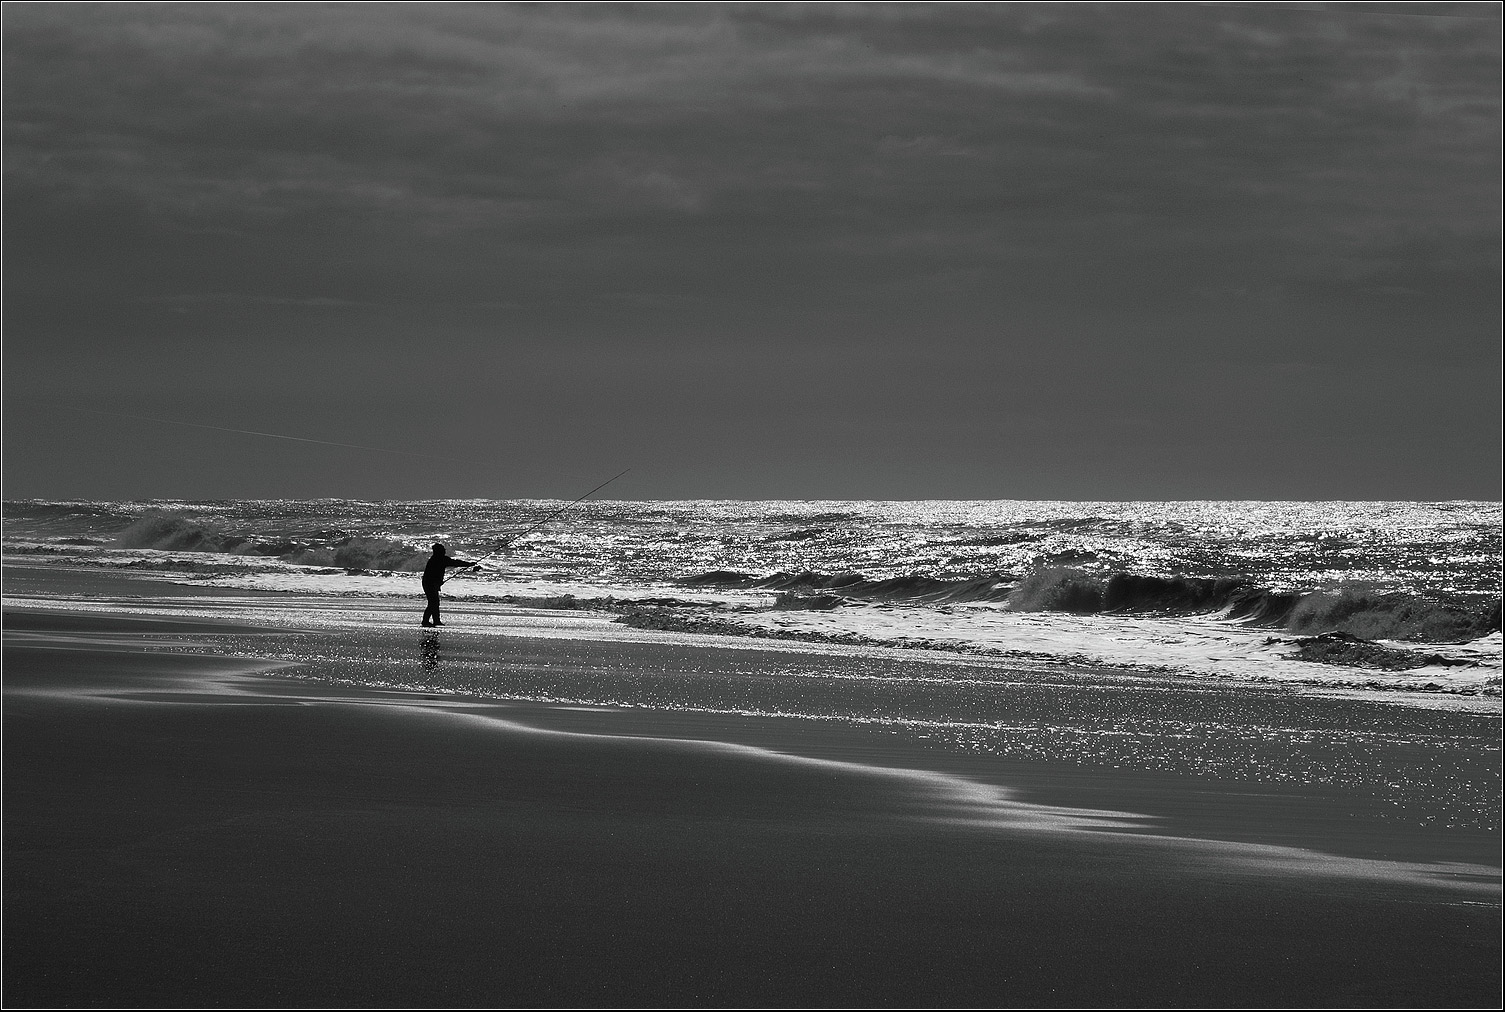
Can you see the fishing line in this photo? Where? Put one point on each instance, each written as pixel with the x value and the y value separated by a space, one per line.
pixel 270 435
pixel 508 542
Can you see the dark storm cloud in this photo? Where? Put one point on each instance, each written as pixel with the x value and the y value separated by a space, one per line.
pixel 966 212
pixel 943 133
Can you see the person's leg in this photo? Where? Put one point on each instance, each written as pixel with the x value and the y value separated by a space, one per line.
pixel 431 613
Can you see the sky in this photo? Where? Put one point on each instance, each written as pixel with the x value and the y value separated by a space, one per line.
pixel 752 251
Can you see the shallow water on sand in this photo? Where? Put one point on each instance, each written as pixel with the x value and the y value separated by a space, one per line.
pixel 1419 767
pixel 1428 767
pixel 318 845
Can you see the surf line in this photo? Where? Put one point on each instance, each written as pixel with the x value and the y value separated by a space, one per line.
pixel 270 435
pixel 509 541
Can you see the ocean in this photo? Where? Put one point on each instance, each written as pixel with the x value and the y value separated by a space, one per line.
pixel 1259 591
pixel 1352 645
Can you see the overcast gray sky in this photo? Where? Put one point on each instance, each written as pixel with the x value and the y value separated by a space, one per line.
pixel 753 251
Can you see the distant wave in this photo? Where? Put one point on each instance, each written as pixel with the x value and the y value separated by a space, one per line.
pixel 854 586
pixel 997 540
pixel 166 530
pixel 802 534
pixel 51 519
pixel 830 516
pixel 1353 611
pixel 24 509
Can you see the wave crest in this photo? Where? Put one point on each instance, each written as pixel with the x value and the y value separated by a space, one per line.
pixel 1355 612
pixel 164 530
pixel 1372 616
pixel 174 532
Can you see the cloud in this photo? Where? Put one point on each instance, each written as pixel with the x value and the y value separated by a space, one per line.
pixel 842 169
pixel 198 299
pixel 496 116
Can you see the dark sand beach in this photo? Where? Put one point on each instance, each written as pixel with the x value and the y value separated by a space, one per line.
pixel 188 828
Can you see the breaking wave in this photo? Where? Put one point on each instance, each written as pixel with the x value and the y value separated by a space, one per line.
pixel 855 586
pixel 1389 616
pixel 164 530
pixel 1356 612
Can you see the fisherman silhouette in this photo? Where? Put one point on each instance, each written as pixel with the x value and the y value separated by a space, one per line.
pixel 433 579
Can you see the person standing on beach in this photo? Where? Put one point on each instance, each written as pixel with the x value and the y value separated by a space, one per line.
pixel 433 579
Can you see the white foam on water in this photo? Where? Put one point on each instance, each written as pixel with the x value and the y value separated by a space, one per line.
pixel 638 551
pixel 1187 646
pixel 1193 646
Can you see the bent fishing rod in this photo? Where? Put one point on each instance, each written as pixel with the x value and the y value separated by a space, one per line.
pixel 510 541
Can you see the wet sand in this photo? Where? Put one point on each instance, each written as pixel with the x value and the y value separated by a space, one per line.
pixel 183 829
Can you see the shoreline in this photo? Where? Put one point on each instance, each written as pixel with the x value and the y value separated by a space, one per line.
pixel 182 827
pixel 1466 680
pixel 1133 802
pixel 247 623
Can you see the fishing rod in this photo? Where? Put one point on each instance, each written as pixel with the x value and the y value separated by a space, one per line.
pixel 508 542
